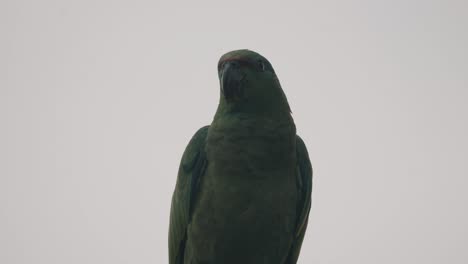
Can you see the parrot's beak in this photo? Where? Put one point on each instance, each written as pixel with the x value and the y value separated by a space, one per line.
pixel 231 80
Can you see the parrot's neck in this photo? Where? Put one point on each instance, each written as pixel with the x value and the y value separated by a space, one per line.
pixel 240 120
pixel 281 113
pixel 244 140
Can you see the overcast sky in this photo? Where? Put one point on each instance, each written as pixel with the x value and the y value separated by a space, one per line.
pixel 98 100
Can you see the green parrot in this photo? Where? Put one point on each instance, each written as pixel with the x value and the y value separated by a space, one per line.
pixel 243 191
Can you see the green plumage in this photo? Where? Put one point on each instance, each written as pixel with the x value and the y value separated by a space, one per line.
pixel 243 190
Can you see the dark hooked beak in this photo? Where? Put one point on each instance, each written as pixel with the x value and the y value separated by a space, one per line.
pixel 231 80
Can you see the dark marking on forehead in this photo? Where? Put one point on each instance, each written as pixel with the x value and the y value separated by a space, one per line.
pixel 240 59
pixel 245 58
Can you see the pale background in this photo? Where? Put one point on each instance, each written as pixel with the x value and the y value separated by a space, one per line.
pixel 98 100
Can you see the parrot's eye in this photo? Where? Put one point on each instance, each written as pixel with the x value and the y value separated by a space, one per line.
pixel 261 65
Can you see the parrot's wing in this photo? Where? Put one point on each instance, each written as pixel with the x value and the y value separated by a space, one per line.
pixel 192 167
pixel 304 183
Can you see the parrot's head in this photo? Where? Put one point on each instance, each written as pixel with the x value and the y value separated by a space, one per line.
pixel 249 84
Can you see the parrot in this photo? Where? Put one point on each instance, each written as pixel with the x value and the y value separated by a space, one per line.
pixel 244 184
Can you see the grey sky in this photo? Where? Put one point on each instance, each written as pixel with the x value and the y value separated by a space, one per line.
pixel 98 100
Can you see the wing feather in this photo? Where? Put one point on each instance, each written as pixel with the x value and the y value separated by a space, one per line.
pixel 192 167
pixel 304 185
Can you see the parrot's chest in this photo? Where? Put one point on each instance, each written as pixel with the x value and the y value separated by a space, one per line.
pixel 255 148
pixel 247 195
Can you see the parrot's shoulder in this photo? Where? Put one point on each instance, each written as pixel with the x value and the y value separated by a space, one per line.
pixel 193 149
pixel 301 149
